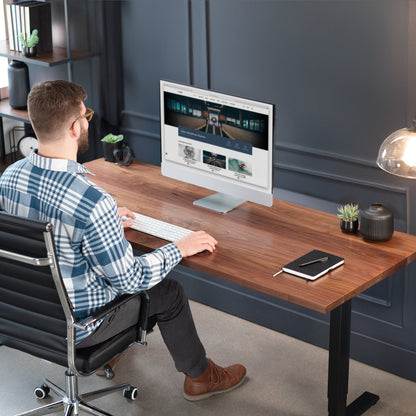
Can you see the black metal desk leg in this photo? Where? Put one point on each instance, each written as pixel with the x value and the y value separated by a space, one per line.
pixel 338 370
pixel 339 359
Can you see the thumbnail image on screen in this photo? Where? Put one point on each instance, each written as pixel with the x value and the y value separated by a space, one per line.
pixel 240 166
pixel 214 159
pixel 189 153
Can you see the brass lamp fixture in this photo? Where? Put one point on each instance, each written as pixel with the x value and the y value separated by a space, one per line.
pixel 397 154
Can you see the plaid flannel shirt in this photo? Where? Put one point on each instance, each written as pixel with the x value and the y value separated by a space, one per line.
pixel 96 260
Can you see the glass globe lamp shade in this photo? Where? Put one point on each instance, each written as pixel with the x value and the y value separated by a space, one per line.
pixel 397 154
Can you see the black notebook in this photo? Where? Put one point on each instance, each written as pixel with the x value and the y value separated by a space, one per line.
pixel 313 265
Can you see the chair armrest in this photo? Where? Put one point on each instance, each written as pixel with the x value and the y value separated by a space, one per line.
pixel 104 310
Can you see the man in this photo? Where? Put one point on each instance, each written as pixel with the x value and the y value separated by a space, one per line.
pixel 96 261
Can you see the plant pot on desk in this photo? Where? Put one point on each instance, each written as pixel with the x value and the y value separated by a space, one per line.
pixel 377 223
pixel 110 149
pixel 118 152
pixel 349 226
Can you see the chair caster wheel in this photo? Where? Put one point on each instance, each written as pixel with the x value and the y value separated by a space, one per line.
pixel 108 372
pixel 41 391
pixel 130 393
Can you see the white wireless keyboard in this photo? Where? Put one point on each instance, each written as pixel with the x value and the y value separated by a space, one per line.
pixel 159 228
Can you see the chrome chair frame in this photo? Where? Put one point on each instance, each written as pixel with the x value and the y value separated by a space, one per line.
pixel 71 401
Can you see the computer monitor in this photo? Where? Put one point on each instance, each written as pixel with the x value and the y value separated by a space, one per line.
pixel 217 141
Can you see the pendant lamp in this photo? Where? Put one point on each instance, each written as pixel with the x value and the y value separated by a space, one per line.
pixel 397 154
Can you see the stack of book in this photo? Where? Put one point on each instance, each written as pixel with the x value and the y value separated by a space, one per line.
pixel 24 16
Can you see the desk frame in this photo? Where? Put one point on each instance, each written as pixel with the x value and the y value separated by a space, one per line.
pixel 338 368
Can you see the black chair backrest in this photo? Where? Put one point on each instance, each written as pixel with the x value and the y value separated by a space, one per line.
pixel 32 318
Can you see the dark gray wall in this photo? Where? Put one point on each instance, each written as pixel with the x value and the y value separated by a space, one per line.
pixel 342 77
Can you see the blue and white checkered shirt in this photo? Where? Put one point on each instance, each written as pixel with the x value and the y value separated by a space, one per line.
pixel 96 260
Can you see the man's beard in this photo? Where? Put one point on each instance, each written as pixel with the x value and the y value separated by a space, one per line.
pixel 83 143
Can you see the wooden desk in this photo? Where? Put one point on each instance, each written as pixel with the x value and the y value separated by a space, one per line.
pixel 255 242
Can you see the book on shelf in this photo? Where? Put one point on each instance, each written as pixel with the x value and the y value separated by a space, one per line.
pixel 17 22
pixel 15 27
pixel 23 17
pixel 12 29
pixel 9 26
pixel 313 264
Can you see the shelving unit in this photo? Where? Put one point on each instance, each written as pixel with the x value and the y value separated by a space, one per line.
pixel 7 111
pixel 58 56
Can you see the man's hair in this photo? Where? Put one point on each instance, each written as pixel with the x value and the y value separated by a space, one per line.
pixel 52 105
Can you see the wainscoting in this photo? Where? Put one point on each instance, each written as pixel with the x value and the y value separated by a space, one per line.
pixel 342 75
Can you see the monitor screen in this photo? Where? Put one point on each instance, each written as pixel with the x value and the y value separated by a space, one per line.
pixel 217 141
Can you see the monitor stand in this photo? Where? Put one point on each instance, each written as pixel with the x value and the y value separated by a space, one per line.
pixel 219 202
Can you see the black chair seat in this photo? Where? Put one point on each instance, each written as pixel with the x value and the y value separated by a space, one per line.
pixel 89 359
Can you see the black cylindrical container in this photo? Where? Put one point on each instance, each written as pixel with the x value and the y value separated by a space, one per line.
pixel 377 223
pixel 109 148
pixel 18 84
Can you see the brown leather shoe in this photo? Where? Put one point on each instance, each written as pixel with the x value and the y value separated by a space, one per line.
pixel 215 380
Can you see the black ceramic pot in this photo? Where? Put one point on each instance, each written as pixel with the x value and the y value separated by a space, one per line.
pixel 377 223
pixel 118 152
pixel 110 149
pixel 29 52
pixel 349 227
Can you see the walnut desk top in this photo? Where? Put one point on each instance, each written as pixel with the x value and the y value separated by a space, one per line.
pixel 255 241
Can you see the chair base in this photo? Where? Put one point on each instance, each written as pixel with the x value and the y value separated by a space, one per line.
pixel 72 403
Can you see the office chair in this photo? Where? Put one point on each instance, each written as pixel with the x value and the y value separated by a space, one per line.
pixel 37 317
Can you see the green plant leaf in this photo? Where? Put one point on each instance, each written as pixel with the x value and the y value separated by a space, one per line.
pixel 32 41
pixel 348 212
pixel 112 138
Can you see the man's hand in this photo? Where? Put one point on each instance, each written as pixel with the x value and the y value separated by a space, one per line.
pixel 124 214
pixel 195 243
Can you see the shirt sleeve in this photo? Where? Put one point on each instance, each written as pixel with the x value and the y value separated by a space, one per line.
pixel 111 257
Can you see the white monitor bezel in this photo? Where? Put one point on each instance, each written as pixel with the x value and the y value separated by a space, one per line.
pixel 256 194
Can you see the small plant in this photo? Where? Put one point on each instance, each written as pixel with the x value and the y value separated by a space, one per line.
pixel 348 212
pixel 32 41
pixel 112 138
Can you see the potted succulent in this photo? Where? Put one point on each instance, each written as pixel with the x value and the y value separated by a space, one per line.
pixel 29 44
pixel 348 214
pixel 111 144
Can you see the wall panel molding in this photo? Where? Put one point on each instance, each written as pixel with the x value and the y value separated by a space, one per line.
pixel 342 79
pixel 144 133
pixel 378 301
pixel 141 124
pixel 323 154
pixel 199 43
pixel 143 116
pixel 352 169
pixel 342 179
pixel 411 64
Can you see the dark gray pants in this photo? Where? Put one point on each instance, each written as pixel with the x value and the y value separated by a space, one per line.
pixel 170 308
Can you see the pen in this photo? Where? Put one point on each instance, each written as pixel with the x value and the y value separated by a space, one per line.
pixel 321 260
pixel 280 271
